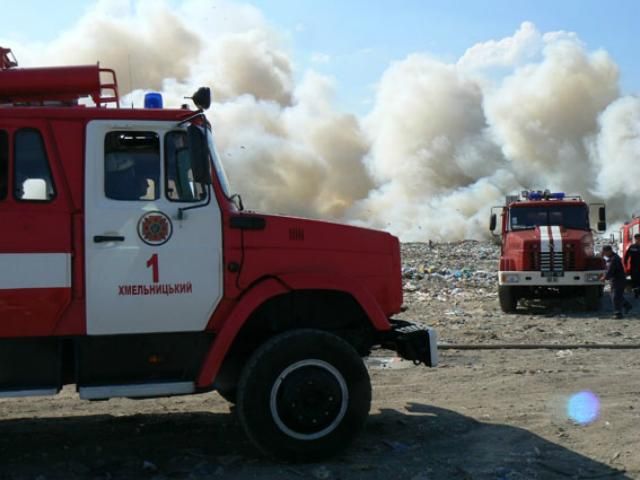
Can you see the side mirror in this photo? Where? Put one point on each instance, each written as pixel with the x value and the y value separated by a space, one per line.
pixel 493 222
pixel 602 226
pixel 602 216
pixel 202 98
pixel 199 155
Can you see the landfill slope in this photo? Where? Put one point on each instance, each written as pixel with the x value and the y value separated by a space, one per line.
pixel 499 414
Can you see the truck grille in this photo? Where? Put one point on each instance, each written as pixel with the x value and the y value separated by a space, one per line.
pixel 555 262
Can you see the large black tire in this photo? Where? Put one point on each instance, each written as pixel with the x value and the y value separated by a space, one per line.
pixel 508 298
pixel 592 296
pixel 303 395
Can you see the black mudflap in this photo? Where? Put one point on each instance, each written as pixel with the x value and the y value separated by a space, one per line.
pixel 30 363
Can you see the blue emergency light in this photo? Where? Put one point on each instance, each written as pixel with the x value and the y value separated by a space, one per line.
pixel 546 195
pixel 153 100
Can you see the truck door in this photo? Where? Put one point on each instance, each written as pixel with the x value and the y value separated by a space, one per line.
pixel 147 271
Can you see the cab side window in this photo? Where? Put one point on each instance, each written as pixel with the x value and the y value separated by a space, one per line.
pixel 132 166
pixel 180 186
pixel 32 175
pixel 4 164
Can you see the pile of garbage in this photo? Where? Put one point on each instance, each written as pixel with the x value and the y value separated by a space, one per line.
pixel 449 268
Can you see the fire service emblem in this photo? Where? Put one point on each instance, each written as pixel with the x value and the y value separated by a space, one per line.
pixel 154 228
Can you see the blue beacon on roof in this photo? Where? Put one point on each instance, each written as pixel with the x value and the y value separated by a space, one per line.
pixel 153 100
pixel 542 196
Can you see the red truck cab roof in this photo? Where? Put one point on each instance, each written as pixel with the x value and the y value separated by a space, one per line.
pixel 546 203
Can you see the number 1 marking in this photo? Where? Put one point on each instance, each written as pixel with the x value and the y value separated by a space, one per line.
pixel 153 262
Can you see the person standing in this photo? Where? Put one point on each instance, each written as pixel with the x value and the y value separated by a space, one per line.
pixel 617 280
pixel 632 258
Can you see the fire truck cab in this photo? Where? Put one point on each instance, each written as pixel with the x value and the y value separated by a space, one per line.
pixel 130 269
pixel 547 248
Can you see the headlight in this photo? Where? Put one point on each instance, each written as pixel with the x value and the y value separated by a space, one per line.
pixel 593 277
pixel 588 249
pixel 510 278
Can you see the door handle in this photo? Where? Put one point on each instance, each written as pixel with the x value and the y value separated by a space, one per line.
pixel 108 238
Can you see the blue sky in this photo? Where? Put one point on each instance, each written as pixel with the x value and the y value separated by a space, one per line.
pixel 354 41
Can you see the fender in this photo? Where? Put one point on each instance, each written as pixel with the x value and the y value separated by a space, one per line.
pixel 320 281
pixel 270 288
pixel 234 322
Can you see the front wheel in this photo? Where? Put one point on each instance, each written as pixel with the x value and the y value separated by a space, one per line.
pixel 508 298
pixel 303 395
pixel 592 296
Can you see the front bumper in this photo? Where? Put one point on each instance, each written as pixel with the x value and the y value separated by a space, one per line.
pixel 550 279
pixel 412 341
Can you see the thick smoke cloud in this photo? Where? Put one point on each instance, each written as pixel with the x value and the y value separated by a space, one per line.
pixel 542 114
pixel 615 151
pixel 442 143
pixel 431 152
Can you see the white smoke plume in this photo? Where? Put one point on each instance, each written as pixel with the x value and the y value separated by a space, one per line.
pixel 616 151
pixel 442 143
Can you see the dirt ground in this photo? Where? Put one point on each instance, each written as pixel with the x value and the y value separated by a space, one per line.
pixel 498 414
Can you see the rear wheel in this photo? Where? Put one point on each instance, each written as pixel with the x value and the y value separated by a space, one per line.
pixel 508 298
pixel 303 395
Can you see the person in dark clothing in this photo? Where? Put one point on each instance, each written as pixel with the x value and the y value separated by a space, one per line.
pixel 617 280
pixel 632 258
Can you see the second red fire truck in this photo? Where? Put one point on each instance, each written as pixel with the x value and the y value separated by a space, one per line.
pixel 547 248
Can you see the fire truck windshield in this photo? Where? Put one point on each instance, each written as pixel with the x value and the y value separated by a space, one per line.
pixel 568 216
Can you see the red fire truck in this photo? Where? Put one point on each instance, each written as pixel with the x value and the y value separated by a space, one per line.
pixel 547 249
pixel 128 268
pixel 627 232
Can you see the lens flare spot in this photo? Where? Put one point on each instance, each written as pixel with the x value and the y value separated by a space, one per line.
pixel 583 407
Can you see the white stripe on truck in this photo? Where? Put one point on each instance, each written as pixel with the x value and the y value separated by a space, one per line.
pixel 545 241
pixel 35 270
pixel 556 239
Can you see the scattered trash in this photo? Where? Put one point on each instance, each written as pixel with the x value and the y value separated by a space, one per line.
pixel 564 353
pixel 395 363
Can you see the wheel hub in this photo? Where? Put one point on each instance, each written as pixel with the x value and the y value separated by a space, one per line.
pixel 309 399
